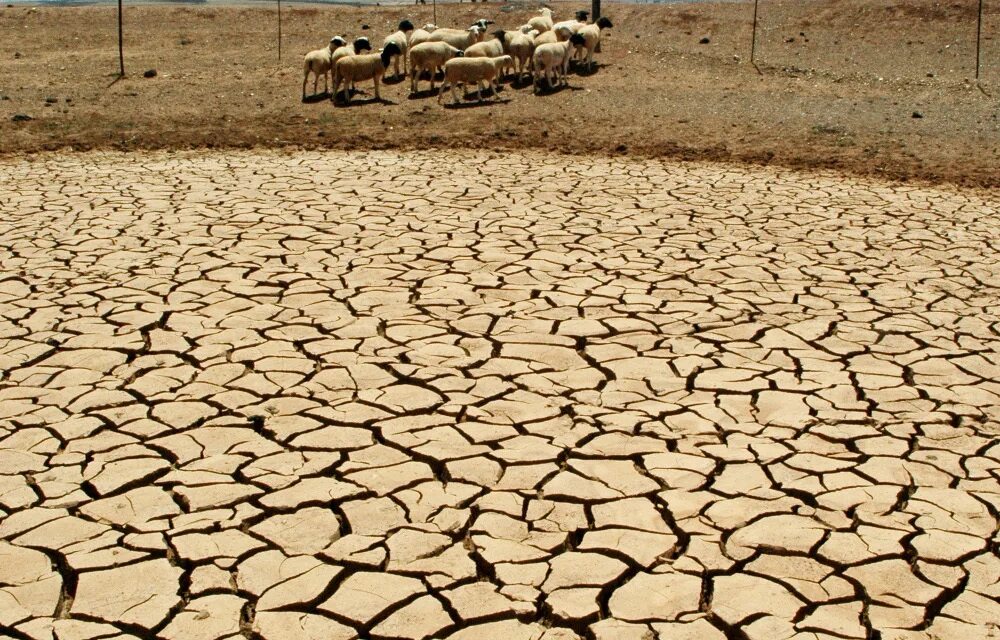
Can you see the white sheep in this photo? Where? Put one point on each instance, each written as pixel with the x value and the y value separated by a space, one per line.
pixel 551 60
pixel 467 70
pixel 429 56
pixel 489 49
pixel 353 49
pixel 542 23
pixel 370 66
pixel 520 46
pixel 569 27
pixel 402 40
pixel 592 37
pixel 559 34
pixel 320 62
pixel 458 38
pixel 422 34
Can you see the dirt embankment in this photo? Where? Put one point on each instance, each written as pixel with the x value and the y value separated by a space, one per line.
pixel 868 86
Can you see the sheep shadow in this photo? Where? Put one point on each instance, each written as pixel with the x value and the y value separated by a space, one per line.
pixel 424 93
pixel 580 69
pixel 520 83
pixel 340 104
pixel 392 80
pixel 475 104
pixel 316 97
pixel 546 90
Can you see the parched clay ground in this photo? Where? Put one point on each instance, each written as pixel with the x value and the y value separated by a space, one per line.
pixel 405 395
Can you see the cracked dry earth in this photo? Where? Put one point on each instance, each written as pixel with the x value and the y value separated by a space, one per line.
pixel 475 396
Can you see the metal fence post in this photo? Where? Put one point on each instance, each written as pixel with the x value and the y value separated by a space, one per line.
pixel 279 30
pixel 753 39
pixel 979 34
pixel 121 45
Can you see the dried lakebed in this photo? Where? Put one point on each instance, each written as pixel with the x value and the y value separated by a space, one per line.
pixel 518 396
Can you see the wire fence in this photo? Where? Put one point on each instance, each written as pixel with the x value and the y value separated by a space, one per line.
pixel 799 37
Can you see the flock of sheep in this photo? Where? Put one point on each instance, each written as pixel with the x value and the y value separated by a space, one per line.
pixel 541 48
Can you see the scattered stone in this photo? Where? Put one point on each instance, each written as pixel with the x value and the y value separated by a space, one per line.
pixel 21 117
pixel 704 40
pixel 149 73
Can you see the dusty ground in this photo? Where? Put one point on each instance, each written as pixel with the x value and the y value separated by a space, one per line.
pixel 485 395
pixel 842 80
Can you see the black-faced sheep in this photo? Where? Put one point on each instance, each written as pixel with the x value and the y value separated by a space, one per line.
pixel 370 66
pixel 319 62
pixel 353 49
pixel 402 40
pixel 551 60
pixel 429 56
pixel 592 37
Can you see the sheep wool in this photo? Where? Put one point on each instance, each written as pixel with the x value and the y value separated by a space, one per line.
pixel 319 62
pixel 542 23
pixel 520 46
pixel 402 40
pixel 371 66
pixel 592 37
pixel 458 38
pixel 429 56
pixel 422 34
pixel 353 49
pixel 489 49
pixel 462 71
pixel 551 60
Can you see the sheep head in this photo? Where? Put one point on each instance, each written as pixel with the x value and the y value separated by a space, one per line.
pixel 581 16
pixel 406 26
pixel 604 23
pixel 391 50
pixel 336 42
pixel 362 44
pixel 577 40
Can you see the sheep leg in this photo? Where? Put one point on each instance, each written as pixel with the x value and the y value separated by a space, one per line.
pixel 441 90
pixel 377 96
pixel 305 79
pixel 455 98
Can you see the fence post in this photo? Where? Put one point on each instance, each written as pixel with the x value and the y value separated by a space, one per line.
pixel 753 39
pixel 435 6
pixel 279 30
pixel 121 46
pixel 979 33
pixel 595 10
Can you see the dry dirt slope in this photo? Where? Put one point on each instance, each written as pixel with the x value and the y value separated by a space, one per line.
pixel 841 83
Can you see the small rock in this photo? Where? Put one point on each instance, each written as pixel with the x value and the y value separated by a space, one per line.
pixel 917 114
pixel 790 39
pixel 69 99
pixel 149 73
pixel 17 55
pixel 704 40
pixel 930 74
pixel 186 41
pixel 5 98
pixel 21 117
pixel 51 100
pixel 622 148
pixel 365 27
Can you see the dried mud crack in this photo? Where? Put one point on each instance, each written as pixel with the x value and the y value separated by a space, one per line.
pixel 518 396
